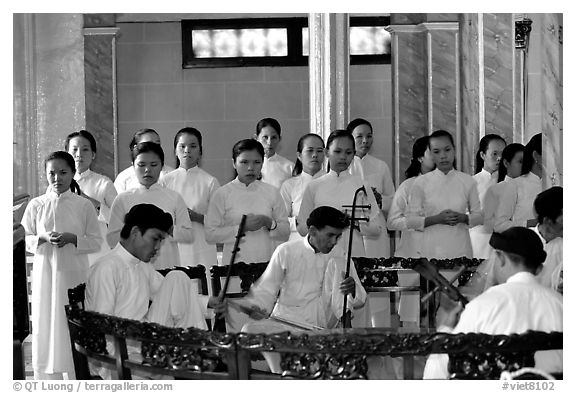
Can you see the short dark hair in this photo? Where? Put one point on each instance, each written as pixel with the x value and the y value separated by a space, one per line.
pixel 247 145
pixel 358 122
pixel 84 134
pixel 148 147
pixel 146 216
pixel 324 216
pixel 549 204
pixel 268 122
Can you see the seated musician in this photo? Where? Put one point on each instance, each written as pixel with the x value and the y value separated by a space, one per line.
pixel 519 303
pixel 122 283
pixel 304 282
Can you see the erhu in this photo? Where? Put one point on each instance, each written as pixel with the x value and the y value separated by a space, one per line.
pixel 220 323
pixel 346 323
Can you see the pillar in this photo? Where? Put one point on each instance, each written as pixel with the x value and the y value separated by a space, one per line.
pixel 329 64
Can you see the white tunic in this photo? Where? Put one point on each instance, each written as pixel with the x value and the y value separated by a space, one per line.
pixel 551 274
pixel 410 239
pixel 55 270
pixel 291 192
pixel 376 173
pixel 480 235
pixel 301 285
pixel 490 203
pixel 225 211
pixel 516 204
pixel 276 169
pixel 519 305
pixel 167 200
pixel 196 187
pixel 127 178
pixel 101 188
pixel 119 284
pixel 336 190
pixel 434 192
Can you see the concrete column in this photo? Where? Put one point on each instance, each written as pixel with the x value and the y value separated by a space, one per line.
pixel 100 86
pixel 51 92
pixel 552 105
pixel 488 81
pixel 329 64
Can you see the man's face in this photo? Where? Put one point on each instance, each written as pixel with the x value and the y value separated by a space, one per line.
pixel 148 244
pixel 325 239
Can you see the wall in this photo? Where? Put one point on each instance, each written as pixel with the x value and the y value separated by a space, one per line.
pixel 48 92
pixel 226 103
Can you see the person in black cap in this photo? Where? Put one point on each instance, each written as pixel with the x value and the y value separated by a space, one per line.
pixel 548 207
pixel 304 281
pixel 123 282
pixel 517 304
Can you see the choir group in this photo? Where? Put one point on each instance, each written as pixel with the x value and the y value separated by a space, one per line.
pixel 115 235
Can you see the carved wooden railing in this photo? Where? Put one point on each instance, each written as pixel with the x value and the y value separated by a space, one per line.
pixel 193 353
pixel 383 272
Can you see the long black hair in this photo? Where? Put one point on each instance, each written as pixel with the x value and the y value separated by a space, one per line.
pixel 418 150
pixel 84 134
pixel 534 145
pixel 483 148
pixel 190 131
pixel 69 160
pixel 299 147
pixel 508 154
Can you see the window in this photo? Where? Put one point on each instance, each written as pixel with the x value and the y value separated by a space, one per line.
pixel 274 42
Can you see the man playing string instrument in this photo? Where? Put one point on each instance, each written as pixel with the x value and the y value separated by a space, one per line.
pixel 304 282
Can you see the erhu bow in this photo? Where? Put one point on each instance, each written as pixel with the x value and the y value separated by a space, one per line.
pixel 220 323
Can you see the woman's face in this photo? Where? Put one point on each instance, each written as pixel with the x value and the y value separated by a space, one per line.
pixel 248 165
pixel 514 167
pixel 443 153
pixel 79 148
pixel 493 155
pixel 147 167
pixel 188 151
pixel 59 175
pixel 340 154
pixel 427 162
pixel 270 139
pixel 362 139
pixel 312 155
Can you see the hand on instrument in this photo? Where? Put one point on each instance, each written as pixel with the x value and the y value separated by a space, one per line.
pixel 348 286
pixel 220 307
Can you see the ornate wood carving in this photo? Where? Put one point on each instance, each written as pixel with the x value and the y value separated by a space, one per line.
pixel 336 354
pixel 247 272
pixel 523 28
pixel 383 272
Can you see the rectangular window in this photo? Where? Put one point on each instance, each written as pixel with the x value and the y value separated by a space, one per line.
pixel 274 42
